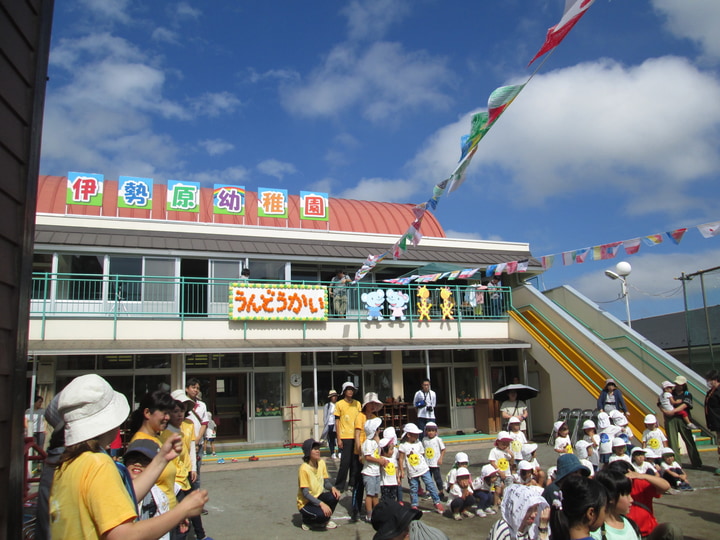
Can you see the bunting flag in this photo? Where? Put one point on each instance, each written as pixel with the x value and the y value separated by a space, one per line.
pixel 458 176
pixel 631 246
pixel 547 261
pixel 499 268
pixel 490 270
pixel 653 239
pixel 468 272
pixel 581 255
pixel 708 230
pixel 574 10
pixel 499 100
pixel 523 265
pixel 676 235
pixel 454 274
pixel 511 267
pixel 609 251
pixel 568 258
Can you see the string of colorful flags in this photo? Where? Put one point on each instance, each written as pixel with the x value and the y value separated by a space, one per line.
pixel 498 102
pixel 600 252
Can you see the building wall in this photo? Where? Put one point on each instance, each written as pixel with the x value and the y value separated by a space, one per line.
pixel 24 42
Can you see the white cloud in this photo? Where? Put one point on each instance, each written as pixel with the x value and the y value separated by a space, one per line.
pixel 112 10
pixel 276 168
pixel 216 147
pixel 323 185
pixel 218 176
pixel 272 74
pixel 370 19
pixel 648 132
pixel 214 104
pixel 382 81
pixel 381 189
pixel 165 35
pixel 184 9
pixel 698 20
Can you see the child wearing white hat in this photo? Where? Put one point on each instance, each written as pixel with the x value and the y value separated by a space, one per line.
pixel 639 463
pixel 619 448
pixel 462 493
pixel 373 462
pixel 653 439
pixel 607 432
pixel 590 435
pixel 518 438
pixel 668 402
pixel 562 438
pixel 486 490
pixel 413 465
pixel 434 454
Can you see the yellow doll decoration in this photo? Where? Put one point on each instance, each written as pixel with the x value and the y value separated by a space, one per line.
pixel 423 303
pixel 448 303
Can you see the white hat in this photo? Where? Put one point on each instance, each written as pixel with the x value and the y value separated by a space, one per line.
pixel 636 449
pixel 462 471
pixel 680 380
pixel 384 442
pixel 90 407
pixel 431 425
pixel 667 450
pixel 514 420
pixel 588 424
pixel 462 457
pixel 617 441
pixel 370 397
pixel 412 428
pixel 390 433
pixel 346 385
pixel 588 466
pixel 650 419
pixel 552 471
pixel 528 449
pixel 180 395
pixel 503 436
pixel 371 427
pixel 620 420
pixel 581 449
pixel 557 425
pixel 667 384
pixel 525 466
pixel 603 420
pixel 487 470
pixel 615 414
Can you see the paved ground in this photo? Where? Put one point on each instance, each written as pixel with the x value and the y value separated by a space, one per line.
pixel 256 500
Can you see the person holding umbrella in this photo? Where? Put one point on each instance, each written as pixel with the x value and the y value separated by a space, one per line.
pixel 513 404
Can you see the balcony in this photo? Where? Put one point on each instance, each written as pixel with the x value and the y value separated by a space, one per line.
pixel 114 307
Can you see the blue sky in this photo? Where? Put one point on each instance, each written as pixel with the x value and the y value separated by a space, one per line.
pixel 616 137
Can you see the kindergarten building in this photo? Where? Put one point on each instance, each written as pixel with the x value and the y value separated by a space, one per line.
pixel 142 283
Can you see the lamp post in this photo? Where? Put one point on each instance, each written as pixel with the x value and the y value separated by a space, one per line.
pixel 622 271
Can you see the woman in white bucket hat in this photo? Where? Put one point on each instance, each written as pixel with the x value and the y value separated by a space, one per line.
pixel 90 498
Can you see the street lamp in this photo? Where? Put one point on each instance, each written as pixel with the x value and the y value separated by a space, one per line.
pixel 622 271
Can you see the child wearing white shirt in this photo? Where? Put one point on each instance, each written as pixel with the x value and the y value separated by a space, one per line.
pixel 653 439
pixel 373 462
pixel 672 471
pixel 518 438
pixel 388 473
pixel 562 438
pixel 413 465
pixel 434 453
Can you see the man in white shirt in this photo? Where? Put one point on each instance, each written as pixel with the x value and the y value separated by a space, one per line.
pixel 425 401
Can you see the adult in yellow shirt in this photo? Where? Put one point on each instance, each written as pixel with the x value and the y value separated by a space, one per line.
pixel 316 497
pixel 89 498
pixel 346 411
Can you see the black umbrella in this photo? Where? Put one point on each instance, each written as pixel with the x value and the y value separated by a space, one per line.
pixel 523 392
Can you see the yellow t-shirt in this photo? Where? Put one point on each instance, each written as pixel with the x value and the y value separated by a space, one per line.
pixel 183 464
pixel 312 478
pixel 360 420
pixel 88 498
pixel 166 480
pixel 345 413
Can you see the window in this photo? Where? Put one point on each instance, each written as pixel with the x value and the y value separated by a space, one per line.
pixel 269 270
pixel 379 381
pixel 268 394
pixel 125 278
pixel 42 264
pixel 159 280
pixel 223 273
pixel 85 286
pixel 465 386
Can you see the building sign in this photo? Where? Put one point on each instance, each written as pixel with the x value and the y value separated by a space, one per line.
pixel 85 189
pixel 262 301
pixel 183 196
pixel 314 206
pixel 272 203
pixel 135 192
pixel 229 200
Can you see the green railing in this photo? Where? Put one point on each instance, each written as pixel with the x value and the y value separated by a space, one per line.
pixel 159 297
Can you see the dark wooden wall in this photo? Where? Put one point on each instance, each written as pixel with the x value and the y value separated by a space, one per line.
pixel 24 45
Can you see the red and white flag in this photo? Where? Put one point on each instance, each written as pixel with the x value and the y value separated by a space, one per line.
pixel 574 10
pixel 708 230
pixel 631 246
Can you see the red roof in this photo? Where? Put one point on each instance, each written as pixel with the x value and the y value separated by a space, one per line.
pixel 345 214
